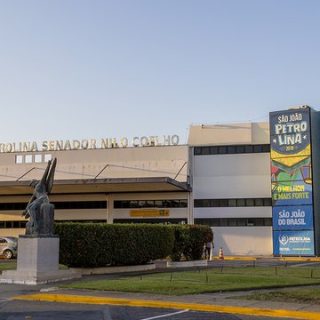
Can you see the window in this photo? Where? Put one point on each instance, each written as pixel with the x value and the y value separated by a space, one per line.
pixel 175 203
pixel 241 202
pixel 161 221
pixel 232 149
pixel 28 158
pixel 12 224
pixel 19 159
pixel 38 158
pixel 235 222
pixel 80 205
pixel 19 206
pixel 47 157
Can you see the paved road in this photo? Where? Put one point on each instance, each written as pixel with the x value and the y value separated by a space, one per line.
pixel 22 310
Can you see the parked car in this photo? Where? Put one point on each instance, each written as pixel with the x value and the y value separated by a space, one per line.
pixel 8 247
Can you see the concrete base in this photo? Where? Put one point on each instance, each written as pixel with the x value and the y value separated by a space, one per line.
pixel 38 262
pixel 18 277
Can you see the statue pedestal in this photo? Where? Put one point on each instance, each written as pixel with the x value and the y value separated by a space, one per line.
pixel 37 262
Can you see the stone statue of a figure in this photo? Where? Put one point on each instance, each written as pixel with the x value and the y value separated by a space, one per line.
pixel 39 210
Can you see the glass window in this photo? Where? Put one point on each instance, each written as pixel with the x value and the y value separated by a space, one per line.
pixel 197 151
pixel 231 149
pixel 257 148
pixel 134 204
pixel 250 202
pixel 241 203
pixel 214 150
pixel 240 149
pixel 267 222
pixel 158 203
pixel 258 202
pixel 266 148
pixel 224 202
pixel 149 203
pixel 232 202
pixel 222 149
pixel 183 203
pixel 28 158
pixel 267 202
pixel 232 222
pixel 205 150
pixel 248 149
pixel 47 157
pixel 19 158
pixel 224 222
pixel 38 158
pixel 251 222
pixel 241 222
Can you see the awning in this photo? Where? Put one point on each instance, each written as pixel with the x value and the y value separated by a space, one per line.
pixel 112 185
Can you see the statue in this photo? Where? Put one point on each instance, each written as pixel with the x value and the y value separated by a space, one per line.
pixel 39 209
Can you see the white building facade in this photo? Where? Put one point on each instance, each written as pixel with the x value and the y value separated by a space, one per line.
pixel 232 187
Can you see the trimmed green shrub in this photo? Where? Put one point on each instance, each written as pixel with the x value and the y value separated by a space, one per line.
pixel 181 239
pixel 198 236
pixel 97 244
pixel 189 241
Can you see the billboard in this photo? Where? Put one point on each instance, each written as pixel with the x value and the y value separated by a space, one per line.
pixel 292 217
pixel 291 180
pixel 294 243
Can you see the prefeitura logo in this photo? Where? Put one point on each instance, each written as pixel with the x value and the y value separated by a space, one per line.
pixel 284 240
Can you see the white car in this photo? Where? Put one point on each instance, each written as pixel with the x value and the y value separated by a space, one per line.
pixel 8 247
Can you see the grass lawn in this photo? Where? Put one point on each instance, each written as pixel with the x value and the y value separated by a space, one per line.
pixel 296 295
pixel 12 265
pixel 206 280
pixel 7 265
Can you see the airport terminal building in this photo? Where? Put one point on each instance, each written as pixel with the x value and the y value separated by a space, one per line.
pixel 251 182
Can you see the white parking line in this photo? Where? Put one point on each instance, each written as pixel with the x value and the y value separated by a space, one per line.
pixel 166 315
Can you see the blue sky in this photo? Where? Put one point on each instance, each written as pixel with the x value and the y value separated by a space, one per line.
pixel 73 69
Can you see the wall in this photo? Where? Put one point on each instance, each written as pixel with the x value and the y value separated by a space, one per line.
pixel 221 134
pixel 165 161
pixel 243 241
pixel 232 176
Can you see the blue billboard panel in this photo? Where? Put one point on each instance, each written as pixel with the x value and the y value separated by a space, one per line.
pixel 294 243
pixel 292 218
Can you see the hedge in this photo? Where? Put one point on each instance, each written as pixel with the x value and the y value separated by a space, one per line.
pixel 99 244
pixel 189 241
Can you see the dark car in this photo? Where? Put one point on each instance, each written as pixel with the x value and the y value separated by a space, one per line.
pixel 8 247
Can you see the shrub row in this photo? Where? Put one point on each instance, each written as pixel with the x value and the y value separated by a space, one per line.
pixel 189 241
pixel 96 245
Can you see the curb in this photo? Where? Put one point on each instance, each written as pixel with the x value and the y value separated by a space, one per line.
pixel 62 298
pixel 112 270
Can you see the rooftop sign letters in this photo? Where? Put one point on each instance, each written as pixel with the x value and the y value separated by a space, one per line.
pixel 86 144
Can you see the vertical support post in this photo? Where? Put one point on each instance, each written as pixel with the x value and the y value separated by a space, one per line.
pixel 190 208
pixel 110 200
